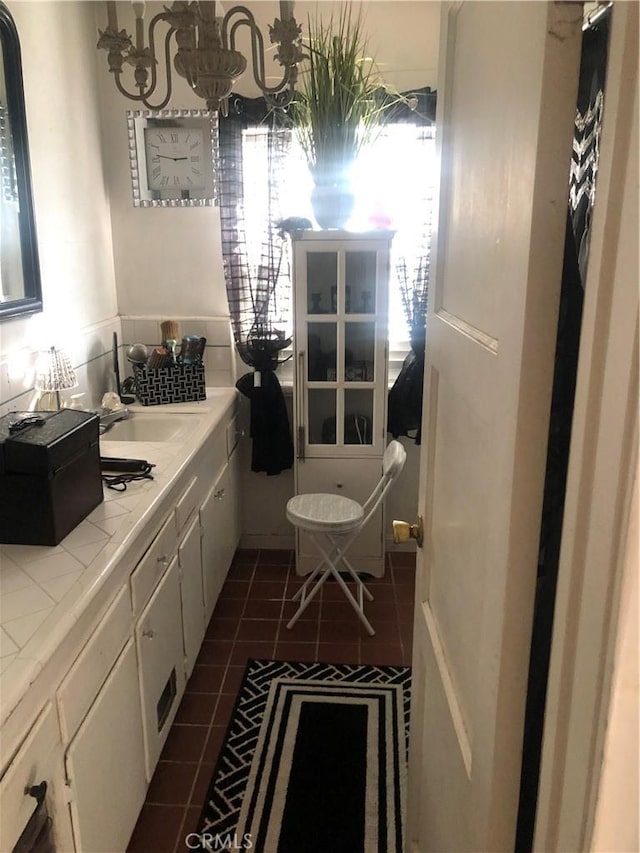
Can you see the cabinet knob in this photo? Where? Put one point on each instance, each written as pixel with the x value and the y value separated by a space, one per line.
pixel 219 495
pixel 163 559
pixel 338 485
pixel 149 633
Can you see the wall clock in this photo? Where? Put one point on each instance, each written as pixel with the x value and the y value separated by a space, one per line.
pixel 173 156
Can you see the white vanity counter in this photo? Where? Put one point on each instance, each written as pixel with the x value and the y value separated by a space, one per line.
pixel 51 598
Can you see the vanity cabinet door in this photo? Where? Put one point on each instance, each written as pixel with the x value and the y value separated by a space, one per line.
pixel 234 503
pixel 193 616
pixel 105 762
pixel 218 535
pixel 39 759
pixel 161 663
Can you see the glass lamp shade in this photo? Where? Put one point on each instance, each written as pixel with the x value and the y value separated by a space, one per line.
pixel 54 372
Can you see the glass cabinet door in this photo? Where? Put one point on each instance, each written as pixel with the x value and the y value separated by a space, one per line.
pixel 342 337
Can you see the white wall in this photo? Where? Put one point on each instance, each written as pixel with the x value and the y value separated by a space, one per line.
pixel 167 261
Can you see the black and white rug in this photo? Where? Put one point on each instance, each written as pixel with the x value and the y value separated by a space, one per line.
pixel 314 761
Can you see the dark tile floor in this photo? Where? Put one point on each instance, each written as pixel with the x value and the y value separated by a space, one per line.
pixel 250 621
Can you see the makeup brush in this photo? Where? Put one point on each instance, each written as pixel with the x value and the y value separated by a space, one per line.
pixel 170 331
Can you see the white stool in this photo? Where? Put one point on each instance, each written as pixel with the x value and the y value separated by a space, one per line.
pixel 333 522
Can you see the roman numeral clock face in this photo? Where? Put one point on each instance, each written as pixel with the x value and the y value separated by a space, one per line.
pixel 175 158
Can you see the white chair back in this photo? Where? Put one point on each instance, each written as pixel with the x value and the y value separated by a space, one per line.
pixel 392 464
pixel 393 460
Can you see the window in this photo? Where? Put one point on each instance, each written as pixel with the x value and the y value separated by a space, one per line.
pixel 400 197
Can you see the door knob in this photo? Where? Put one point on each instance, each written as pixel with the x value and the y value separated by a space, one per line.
pixel 403 531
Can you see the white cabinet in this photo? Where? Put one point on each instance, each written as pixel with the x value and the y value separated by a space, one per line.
pixel 110 699
pixel 39 759
pixel 105 763
pixel 161 663
pixel 235 509
pixel 193 614
pixel 341 304
pixel 100 696
pixel 217 520
pixel 356 480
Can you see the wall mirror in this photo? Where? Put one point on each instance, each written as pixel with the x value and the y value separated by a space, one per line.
pixel 20 288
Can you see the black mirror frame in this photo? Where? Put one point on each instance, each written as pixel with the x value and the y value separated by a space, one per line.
pixel 32 300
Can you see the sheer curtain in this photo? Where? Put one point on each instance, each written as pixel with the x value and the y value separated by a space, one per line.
pixel 257 271
pixel 411 257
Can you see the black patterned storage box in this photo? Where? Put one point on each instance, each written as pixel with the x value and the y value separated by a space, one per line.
pixel 179 383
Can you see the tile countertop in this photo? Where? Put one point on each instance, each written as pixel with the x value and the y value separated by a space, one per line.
pixel 48 595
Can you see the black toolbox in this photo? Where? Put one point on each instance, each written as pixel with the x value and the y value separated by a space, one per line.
pixel 50 476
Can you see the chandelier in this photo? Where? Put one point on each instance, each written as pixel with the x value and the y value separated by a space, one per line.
pixel 206 54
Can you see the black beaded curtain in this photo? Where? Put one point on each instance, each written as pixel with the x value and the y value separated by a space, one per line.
pixel 258 296
pixel 586 137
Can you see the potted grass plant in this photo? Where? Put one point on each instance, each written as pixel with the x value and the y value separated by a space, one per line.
pixel 337 109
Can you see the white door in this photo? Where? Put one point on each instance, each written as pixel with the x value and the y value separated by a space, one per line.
pixel 506 103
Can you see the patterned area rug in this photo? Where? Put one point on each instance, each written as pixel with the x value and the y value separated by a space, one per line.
pixel 314 760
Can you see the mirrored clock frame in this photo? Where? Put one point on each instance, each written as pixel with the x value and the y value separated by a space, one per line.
pixel 20 284
pixel 143 194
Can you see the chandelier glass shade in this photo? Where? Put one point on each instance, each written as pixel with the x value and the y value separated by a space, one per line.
pixel 205 53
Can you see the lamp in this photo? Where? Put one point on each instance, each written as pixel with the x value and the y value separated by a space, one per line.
pixel 205 52
pixel 54 372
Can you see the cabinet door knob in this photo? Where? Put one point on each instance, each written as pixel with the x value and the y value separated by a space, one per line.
pixel 219 494
pixel 163 559
pixel 149 633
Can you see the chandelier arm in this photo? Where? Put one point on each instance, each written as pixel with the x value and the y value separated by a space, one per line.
pixel 143 97
pixel 167 62
pixel 257 47
pixel 257 50
pixel 152 47
pixel 124 92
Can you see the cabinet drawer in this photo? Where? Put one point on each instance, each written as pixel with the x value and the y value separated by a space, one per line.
pixel 88 673
pixel 153 565
pixel 186 505
pixel 31 766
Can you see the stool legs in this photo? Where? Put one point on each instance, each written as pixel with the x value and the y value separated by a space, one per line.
pixel 330 560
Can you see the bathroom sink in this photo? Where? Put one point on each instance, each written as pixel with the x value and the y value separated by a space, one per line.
pixel 141 426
